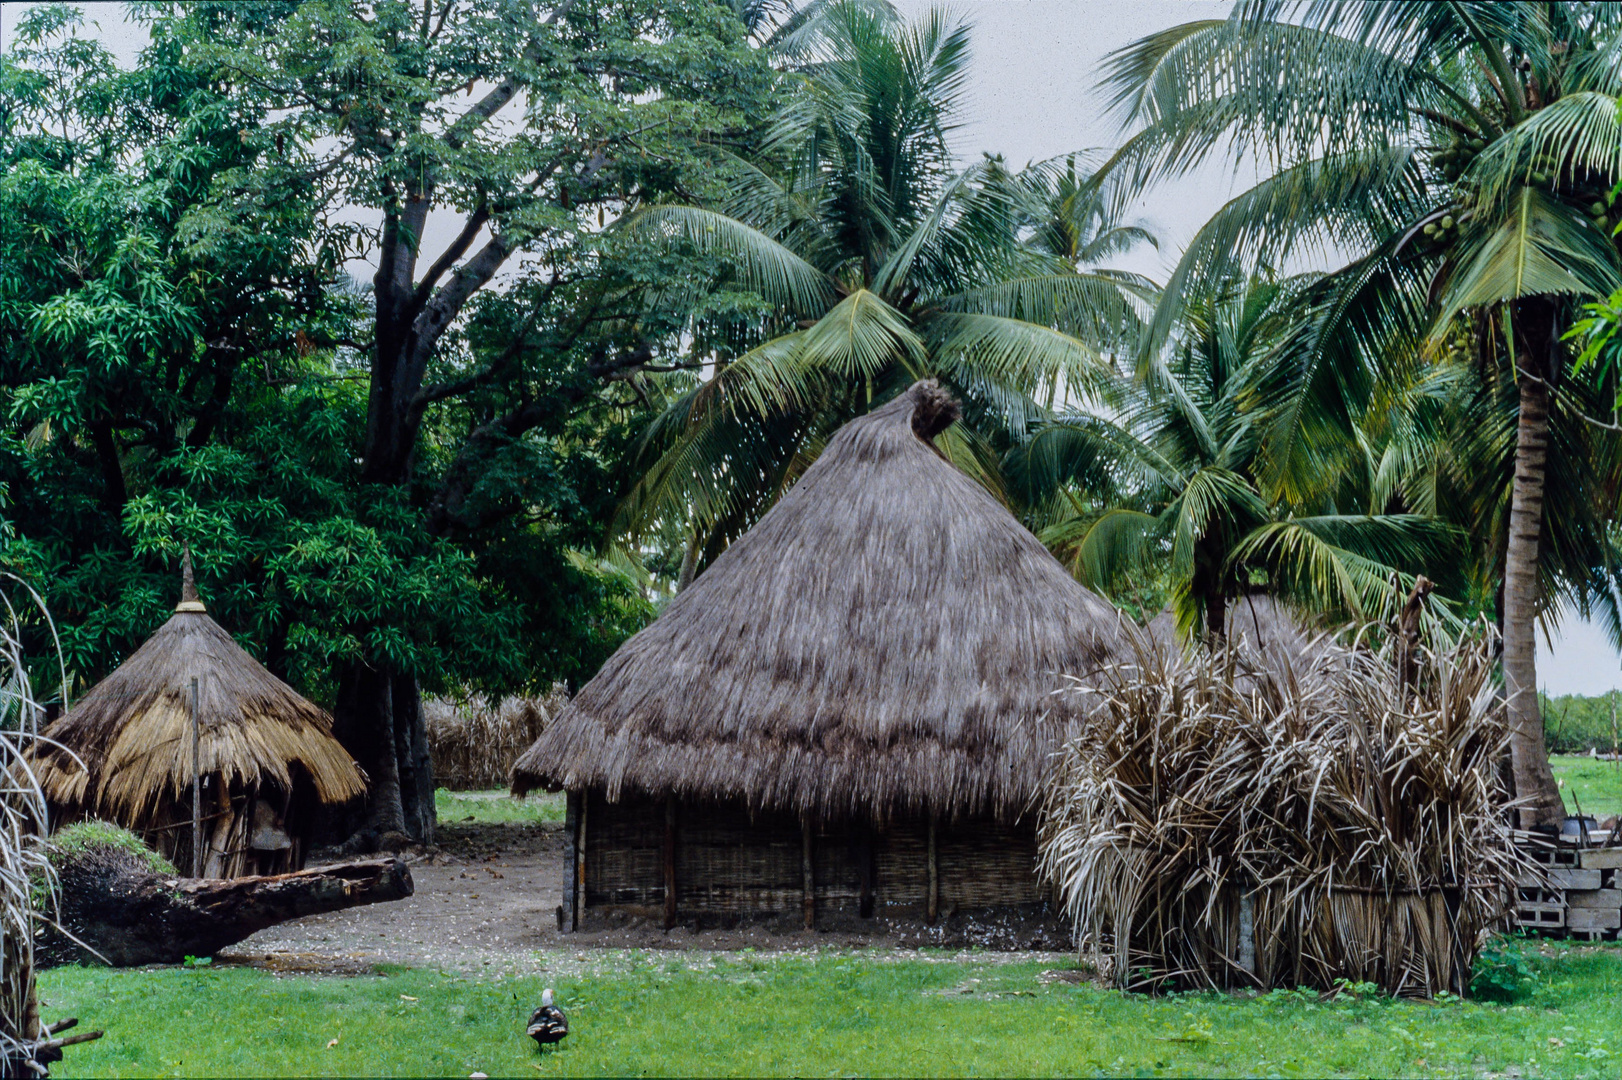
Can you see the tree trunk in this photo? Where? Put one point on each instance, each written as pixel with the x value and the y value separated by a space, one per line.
pixel 380 722
pixel 1529 758
pixel 416 765
pixel 131 916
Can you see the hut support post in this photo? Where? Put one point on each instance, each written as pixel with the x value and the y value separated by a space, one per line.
pixel 580 859
pixel 934 877
pixel 670 861
pixel 196 788
pixel 864 867
pixel 807 874
pixel 571 838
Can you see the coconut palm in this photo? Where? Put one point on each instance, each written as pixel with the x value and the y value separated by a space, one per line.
pixel 1179 460
pixel 879 263
pixel 1462 154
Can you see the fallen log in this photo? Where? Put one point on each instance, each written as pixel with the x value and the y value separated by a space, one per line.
pixel 117 910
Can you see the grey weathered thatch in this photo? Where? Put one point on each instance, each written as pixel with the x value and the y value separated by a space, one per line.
pixel 124 752
pixel 886 640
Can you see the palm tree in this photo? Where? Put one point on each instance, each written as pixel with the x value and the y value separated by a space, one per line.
pixel 1462 152
pixel 879 263
pixel 1180 460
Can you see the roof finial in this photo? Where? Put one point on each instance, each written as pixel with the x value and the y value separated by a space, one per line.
pixel 188 584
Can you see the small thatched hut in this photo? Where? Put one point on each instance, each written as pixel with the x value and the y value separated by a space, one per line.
pixel 848 714
pixel 265 756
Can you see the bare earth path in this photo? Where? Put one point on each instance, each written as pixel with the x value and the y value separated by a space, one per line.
pixel 486 900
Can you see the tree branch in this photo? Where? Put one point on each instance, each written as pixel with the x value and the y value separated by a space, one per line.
pixel 458 248
pixel 504 91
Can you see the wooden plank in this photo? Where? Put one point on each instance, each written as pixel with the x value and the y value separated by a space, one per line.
pixel 934 877
pixel 670 861
pixel 1593 919
pixel 808 874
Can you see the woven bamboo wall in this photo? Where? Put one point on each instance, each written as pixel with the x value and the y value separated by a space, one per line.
pixel 729 862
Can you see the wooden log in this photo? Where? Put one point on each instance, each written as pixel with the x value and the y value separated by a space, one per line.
pixel 670 861
pixel 808 873
pixel 130 915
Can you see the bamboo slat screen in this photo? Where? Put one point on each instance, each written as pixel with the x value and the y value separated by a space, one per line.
pixel 731 862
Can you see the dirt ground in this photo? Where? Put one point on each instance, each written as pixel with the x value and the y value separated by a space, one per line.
pixel 487 898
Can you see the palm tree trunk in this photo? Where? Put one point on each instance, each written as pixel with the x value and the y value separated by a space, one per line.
pixel 1529 758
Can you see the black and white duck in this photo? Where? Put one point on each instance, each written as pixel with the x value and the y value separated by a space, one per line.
pixel 547 1025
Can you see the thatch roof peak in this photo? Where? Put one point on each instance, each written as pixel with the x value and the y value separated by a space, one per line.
pixel 132 732
pixel 189 600
pixel 887 638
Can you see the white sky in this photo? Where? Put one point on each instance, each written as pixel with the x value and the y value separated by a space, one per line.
pixel 1033 95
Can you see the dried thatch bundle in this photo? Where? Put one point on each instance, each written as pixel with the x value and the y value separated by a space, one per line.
pixel 1276 817
pixel 266 756
pixel 474 743
pixel 884 641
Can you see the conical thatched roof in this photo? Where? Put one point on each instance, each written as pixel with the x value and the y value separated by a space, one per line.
pixel 887 638
pixel 132 731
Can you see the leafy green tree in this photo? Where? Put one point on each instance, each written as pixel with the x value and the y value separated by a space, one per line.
pixel 1462 154
pixel 1175 470
pixel 880 263
pixel 184 358
pixel 524 126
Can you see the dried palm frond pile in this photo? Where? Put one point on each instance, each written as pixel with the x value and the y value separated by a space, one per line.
pixel 1282 817
pixel 475 742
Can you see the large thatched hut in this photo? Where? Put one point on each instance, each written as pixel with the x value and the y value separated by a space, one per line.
pixel 847 715
pixel 266 758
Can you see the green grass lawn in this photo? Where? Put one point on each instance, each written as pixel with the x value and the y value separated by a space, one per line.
pixel 496 807
pixel 1596 784
pixel 833 1013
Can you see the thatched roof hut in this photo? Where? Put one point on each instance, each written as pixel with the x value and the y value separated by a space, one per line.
pixel 878 655
pixel 266 756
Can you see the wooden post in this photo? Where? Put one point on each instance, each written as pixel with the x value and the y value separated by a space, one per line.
pixel 196 788
pixel 808 873
pixel 670 861
pixel 571 832
pixel 864 867
pixel 580 860
pixel 934 877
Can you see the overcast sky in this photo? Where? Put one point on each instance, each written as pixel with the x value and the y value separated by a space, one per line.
pixel 1032 96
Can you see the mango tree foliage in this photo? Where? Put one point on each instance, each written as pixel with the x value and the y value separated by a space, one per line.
pixel 185 358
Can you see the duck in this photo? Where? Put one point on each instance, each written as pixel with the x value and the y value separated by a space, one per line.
pixel 547 1025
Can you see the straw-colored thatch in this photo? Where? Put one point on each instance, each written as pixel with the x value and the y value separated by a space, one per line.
pixel 1285 817
pixel 885 640
pixel 124 752
pixel 474 742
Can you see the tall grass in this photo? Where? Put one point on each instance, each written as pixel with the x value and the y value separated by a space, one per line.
pixel 1276 818
pixel 26 875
